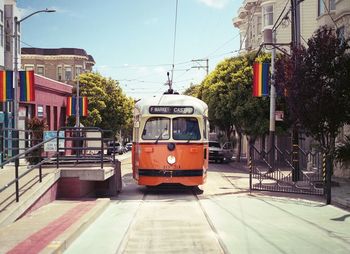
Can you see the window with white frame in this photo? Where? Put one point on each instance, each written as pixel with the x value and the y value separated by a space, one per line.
pixel 268 15
pixel 78 70
pixel 332 5
pixel 321 7
pixel 28 67
pixel 67 73
pixel 258 25
pixel 40 69
pixel 2 35
pixel 40 111
pixel 59 73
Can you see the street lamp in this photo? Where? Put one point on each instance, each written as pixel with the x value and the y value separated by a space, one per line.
pixel 17 23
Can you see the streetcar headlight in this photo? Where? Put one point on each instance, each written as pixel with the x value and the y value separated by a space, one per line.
pixel 171 159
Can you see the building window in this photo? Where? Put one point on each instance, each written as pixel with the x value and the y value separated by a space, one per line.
pixel 59 73
pixel 341 34
pixel 1 16
pixel 332 5
pixel 2 35
pixel 28 67
pixel 68 73
pixel 40 70
pixel 321 8
pixel 78 70
pixel 48 116
pixel 40 111
pixel 268 15
pixel 258 25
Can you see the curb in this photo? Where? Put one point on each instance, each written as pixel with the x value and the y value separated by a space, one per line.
pixel 62 242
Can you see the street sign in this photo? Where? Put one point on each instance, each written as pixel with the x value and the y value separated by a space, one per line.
pixel 279 115
pixel 52 145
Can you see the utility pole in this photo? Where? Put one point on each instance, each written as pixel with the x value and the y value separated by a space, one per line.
pixel 272 127
pixel 296 174
pixel 77 107
pixel 198 61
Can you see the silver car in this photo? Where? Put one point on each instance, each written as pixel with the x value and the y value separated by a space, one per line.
pixel 220 153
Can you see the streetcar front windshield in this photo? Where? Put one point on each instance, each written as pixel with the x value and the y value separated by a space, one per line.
pixel 186 128
pixel 156 128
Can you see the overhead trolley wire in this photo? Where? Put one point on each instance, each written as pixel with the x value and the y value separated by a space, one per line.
pixel 174 45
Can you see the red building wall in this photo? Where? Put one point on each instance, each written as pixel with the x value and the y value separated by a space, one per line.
pixel 50 103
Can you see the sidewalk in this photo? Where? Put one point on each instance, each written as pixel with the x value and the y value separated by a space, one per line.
pixel 51 228
pixel 51 225
pixel 340 194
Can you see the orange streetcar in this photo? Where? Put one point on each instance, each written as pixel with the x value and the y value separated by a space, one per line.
pixel 170 140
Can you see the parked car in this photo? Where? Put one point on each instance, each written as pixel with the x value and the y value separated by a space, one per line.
pixel 114 147
pixel 220 153
pixel 128 146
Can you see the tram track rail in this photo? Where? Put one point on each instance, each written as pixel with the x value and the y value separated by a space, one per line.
pixel 154 196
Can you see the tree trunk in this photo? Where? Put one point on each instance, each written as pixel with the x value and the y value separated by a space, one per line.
pixel 251 142
pixel 239 147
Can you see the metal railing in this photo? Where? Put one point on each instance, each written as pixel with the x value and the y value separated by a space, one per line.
pixel 80 150
pixel 16 159
pixel 76 149
pixel 283 176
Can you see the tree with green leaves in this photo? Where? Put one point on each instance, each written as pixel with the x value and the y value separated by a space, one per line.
pixel 109 108
pixel 228 92
pixel 316 82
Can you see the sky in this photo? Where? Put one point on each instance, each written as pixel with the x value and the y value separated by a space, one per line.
pixel 132 41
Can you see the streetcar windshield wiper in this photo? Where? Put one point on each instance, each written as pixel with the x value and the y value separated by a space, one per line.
pixel 191 134
pixel 161 134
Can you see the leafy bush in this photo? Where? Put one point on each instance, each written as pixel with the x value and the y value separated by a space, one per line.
pixel 37 127
pixel 342 152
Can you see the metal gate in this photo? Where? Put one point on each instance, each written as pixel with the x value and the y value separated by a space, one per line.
pixel 281 174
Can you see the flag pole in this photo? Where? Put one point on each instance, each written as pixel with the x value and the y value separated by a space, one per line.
pixel 77 107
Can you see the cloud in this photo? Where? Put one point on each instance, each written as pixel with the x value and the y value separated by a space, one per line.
pixel 218 4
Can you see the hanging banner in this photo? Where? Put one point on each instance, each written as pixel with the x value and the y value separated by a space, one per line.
pixel 71 106
pixel 261 77
pixel 6 86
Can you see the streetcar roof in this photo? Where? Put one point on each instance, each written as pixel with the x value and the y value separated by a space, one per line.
pixel 199 106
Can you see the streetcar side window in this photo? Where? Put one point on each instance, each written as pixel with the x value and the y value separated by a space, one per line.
pixel 186 128
pixel 156 128
pixel 205 123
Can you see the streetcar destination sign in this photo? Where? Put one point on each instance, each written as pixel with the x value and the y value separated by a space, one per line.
pixel 180 110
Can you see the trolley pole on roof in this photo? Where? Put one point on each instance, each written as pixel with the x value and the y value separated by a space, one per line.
pixel 170 83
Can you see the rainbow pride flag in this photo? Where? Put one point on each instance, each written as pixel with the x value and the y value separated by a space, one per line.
pixel 26 83
pixel 70 107
pixel 261 77
pixel 6 85
pixel 83 106
pixel 72 104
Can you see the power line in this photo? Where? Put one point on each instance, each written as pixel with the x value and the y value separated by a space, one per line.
pixel 174 45
pixel 224 44
pixel 275 26
pixel 329 14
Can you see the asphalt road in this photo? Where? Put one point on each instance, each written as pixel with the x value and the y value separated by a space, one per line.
pixel 225 218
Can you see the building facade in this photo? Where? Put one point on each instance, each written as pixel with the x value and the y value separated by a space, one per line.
pixel 61 64
pixel 256 16
pixel 8 10
pixel 50 103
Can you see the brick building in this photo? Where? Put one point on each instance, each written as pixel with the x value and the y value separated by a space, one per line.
pixel 61 64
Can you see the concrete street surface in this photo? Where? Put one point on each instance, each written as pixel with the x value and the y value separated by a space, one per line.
pixel 225 218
